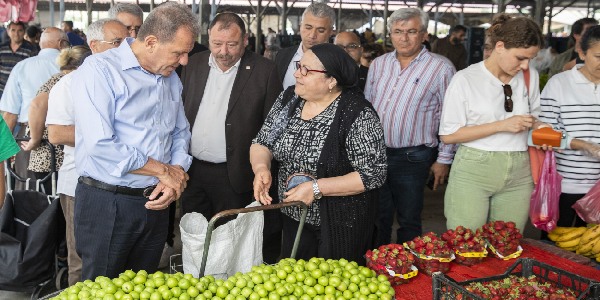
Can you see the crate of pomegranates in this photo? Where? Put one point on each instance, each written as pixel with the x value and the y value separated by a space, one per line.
pixel 393 261
pixel 432 254
pixel 525 279
pixel 503 239
pixel 468 246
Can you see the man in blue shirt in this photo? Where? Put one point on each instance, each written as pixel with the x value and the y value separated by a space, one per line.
pixel 23 83
pixel 131 144
pixel 74 38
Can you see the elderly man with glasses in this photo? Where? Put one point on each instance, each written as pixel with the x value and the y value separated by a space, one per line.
pixel 131 15
pixel 131 144
pixel 406 88
pixel 102 35
pixel 350 42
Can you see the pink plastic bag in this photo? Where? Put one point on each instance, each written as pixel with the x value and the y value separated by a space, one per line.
pixel 543 207
pixel 588 207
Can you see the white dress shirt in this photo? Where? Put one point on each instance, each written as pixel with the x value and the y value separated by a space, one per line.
pixel 289 78
pixel 208 134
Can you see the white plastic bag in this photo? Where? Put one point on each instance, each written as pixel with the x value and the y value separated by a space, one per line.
pixel 234 247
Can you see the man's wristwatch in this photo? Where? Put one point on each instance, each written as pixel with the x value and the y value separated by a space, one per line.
pixel 316 190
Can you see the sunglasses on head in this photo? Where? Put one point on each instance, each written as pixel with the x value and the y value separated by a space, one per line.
pixel 508 103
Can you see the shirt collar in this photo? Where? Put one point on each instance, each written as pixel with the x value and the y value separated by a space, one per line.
pixel 128 59
pixel 48 52
pixel 579 77
pixel 213 64
pixel 423 54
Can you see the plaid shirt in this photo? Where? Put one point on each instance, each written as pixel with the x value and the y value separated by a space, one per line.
pixel 8 59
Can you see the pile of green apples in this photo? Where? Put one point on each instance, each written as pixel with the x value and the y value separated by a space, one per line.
pixel 289 279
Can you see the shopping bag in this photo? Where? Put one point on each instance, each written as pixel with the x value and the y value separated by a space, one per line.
pixel 588 207
pixel 536 160
pixel 543 207
pixel 235 246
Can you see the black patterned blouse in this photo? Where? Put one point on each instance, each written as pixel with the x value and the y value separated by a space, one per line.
pixel 299 146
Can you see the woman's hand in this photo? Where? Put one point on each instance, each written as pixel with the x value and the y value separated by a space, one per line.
pixel 518 123
pixel 302 192
pixel 262 184
pixel 32 144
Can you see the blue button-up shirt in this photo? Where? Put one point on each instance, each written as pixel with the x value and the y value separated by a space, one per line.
pixel 125 115
pixel 24 81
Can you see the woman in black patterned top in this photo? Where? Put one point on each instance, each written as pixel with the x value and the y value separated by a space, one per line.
pixel 323 127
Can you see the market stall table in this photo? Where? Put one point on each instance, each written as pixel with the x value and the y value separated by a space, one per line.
pixel 420 287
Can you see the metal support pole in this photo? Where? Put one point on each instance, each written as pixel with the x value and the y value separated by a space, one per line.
pixel 371 16
pixel 61 9
pixel 88 6
pixel 194 7
pixel 258 26
pixel 151 5
pixel 284 10
pixel 213 10
pixel 436 18
pixel 385 22
pixel 51 10
pixel 338 22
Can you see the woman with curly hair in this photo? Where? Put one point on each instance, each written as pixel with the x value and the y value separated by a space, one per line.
pixel 488 109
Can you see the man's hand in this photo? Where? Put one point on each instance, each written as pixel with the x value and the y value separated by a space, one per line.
pixel 439 172
pixel 262 184
pixel 175 178
pixel 168 196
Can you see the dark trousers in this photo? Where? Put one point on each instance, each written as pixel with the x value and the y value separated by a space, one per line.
pixel 115 232
pixel 209 191
pixel 310 239
pixel 568 216
pixel 403 192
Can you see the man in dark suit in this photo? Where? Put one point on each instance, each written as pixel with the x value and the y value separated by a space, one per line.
pixel 227 94
pixel 316 28
pixel 350 42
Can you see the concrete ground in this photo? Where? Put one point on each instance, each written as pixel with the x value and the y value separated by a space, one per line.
pixel 433 220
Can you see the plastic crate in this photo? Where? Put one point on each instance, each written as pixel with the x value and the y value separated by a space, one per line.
pixel 447 288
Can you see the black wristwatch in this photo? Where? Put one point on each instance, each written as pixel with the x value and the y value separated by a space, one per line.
pixel 316 190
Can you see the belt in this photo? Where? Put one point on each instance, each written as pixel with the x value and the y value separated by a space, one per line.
pixel 141 192
pixel 406 149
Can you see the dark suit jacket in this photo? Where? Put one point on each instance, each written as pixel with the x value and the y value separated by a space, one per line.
pixel 283 60
pixel 255 89
pixel 362 76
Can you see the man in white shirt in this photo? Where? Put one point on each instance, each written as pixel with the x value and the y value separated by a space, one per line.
pixel 316 28
pixel 227 94
pixel 102 35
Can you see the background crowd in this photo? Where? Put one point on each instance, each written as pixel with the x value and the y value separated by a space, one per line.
pixel 142 115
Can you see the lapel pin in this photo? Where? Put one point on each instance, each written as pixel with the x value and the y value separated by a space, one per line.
pixel 247 67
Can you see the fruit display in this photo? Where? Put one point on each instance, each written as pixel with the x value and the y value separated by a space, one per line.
pixel 289 279
pixel 393 261
pixel 503 239
pixel 432 253
pixel 515 287
pixel 468 246
pixel 582 240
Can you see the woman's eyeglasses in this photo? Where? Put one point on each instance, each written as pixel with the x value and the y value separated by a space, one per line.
pixel 304 71
pixel 508 103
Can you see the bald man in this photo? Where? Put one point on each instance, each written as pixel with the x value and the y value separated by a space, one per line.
pixel 23 83
pixel 350 42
